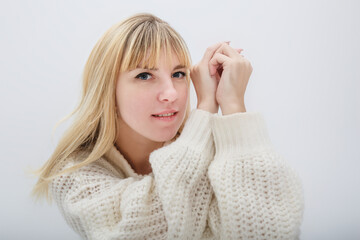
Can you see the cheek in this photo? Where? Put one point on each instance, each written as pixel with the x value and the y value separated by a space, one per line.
pixel 183 92
pixel 133 102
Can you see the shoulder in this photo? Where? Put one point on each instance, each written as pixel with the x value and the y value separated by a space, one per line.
pixel 84 180
pixel 101 166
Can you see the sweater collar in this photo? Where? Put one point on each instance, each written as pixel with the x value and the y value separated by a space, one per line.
pixel 118 160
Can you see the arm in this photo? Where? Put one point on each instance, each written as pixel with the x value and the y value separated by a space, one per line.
pixel 181 178
pixel 100 203
pixel 258 194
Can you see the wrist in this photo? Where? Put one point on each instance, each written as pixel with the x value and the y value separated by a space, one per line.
pixel 211 107
pixel 231 108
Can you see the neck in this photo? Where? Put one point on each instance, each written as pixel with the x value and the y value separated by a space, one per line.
pixel 136 149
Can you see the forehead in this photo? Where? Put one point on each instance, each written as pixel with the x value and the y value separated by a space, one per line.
pixel 153 57
pixel 163 60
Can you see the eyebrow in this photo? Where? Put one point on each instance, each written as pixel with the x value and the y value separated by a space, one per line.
pixel 155 69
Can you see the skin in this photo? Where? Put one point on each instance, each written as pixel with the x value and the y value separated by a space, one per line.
pixel 141 95
pixel 220 80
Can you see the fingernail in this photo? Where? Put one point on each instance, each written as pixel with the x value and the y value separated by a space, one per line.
pixel 227 42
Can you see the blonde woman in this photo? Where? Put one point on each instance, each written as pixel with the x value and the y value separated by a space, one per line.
pixel 137 164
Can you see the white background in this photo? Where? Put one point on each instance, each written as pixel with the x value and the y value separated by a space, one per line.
pixel 306 83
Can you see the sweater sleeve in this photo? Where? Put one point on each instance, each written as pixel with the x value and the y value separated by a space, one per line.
pixel 182 184
pixel 101 204
pixel 98 202
pixel 256 194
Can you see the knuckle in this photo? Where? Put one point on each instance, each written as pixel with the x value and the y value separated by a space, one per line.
pixel 217 54
pixel 221 48
pixel 195 67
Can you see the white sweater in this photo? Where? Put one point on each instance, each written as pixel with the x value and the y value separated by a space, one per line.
pixel 237 188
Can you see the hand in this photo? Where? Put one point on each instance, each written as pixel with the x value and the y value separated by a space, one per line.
pixel 233 72
pixel 205 84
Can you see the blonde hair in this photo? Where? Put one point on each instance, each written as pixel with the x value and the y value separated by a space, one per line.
pixel 136 41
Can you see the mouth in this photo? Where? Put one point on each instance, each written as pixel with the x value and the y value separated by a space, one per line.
pixel 167 116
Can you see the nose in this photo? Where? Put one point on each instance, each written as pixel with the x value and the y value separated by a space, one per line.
pixel 168 92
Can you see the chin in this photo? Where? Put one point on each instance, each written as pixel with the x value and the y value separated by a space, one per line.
pixel 165 137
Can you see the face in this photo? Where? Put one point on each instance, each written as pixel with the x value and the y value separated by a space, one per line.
pixel 152 102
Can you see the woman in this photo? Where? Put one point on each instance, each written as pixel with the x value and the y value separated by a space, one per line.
pixel 137 164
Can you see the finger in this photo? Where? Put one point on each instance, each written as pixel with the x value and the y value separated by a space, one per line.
pixel 227 50
pixel 218 73
pixel 239 50
pixel 210 51
pixel 216 61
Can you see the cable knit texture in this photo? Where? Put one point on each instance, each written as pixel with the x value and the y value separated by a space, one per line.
pixel 221 179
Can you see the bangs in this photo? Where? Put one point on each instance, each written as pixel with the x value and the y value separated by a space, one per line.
pixel 148 41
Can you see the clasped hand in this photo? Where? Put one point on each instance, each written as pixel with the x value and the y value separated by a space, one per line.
pixel 220 79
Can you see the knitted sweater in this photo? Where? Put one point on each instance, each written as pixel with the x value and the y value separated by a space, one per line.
pixel 221 179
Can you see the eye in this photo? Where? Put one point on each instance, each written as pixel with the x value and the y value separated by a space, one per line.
pixel 144 76
pixel 179 75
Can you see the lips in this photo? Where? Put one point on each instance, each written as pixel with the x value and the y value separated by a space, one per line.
pixel 165 115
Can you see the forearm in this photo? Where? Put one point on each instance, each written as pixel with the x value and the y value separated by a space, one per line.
pixel 99 203
pixel 257 192
pixel 180 172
